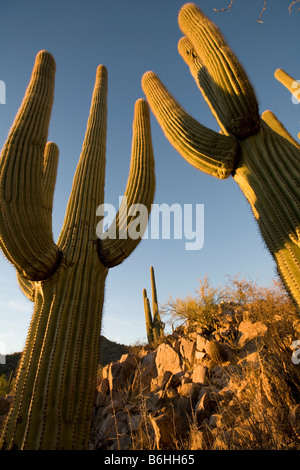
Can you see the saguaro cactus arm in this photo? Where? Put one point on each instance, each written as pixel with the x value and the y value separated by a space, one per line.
pixel 154 295
pixel 203 148
pixel 89 180
pixel 264 157
pixel 290 83
pixel 56 379
pixel 120 241
pixel 23 213
pixel 277 126
pixel 49 179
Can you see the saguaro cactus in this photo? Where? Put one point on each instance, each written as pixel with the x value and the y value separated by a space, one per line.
pixel 56 378
pixel 258 152
pixel 154 325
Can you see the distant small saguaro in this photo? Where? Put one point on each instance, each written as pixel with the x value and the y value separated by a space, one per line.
pixel 2 92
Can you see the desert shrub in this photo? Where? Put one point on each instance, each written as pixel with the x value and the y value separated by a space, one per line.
pixel 201 309
pixel 5 385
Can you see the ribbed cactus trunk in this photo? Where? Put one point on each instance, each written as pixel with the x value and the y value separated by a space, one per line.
pixel 258 152
pixel 56 378
pixel 268 175
pixel 55 385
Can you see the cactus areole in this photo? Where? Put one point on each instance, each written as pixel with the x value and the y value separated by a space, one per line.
pixel 55 385
pixel 257 151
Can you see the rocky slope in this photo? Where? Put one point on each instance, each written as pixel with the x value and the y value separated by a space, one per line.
pixel 200 389
pixel 231 386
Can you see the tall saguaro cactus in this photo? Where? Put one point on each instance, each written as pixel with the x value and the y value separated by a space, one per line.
pixel 154 325
pixel 258 152
pixel 56 378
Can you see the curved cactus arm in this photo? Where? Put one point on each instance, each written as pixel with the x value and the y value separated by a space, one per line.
pixel 26 239
pixel 89 180
pixel 49 179
pixel 27 287
pixel 220 76
pixel 203 148
pixel 121 237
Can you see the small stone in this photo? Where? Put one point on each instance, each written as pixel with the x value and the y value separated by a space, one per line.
pixel 187 350
pixel 199 374
pixel 203 408
pixel 199 355
pixel 201 342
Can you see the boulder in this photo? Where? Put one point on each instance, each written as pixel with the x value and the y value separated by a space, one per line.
pixel 167 359
pixel 187 350
pixel 216 351
pixel 168 426
pixel 200 342
pixel 250 336
pixel 120 373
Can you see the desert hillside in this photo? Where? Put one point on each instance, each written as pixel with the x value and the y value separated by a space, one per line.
pixel 227 379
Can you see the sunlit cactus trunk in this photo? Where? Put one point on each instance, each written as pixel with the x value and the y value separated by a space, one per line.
pixel 56 377
pixel 55 385
pixel 268 175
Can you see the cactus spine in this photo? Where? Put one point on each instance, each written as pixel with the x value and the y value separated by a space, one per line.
pixel 258 152
pixel 54 390
pixel 154 325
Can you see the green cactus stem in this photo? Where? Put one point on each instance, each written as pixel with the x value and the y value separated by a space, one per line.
pixel 148 318
pixel 154 325
pixel 56 379
pixel 258 152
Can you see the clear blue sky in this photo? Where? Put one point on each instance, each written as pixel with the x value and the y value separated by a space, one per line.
pixel 130 37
